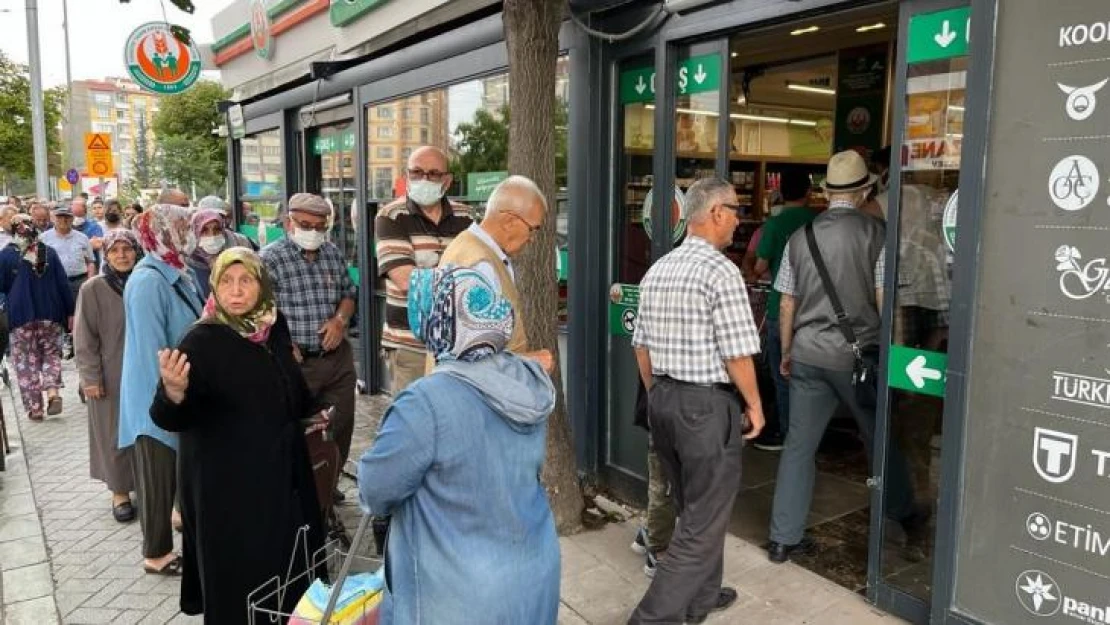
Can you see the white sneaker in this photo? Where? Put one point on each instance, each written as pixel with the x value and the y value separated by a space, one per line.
pixel 639 545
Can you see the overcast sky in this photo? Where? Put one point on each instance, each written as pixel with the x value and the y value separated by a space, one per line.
pixel 98 30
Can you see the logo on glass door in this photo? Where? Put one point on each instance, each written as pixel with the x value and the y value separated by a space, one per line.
pixel 1081 100
pixel 1038 593
pixel 1054 454
pixel 1073 183
pixel 1079 280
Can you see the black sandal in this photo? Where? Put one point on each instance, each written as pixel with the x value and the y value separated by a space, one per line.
pixel 123 512
pixel 171 568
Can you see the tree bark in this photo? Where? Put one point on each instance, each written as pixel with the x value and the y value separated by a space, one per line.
pixel 532 35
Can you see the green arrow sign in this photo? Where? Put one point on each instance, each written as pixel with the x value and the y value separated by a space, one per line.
pixel 695 75
pixel 917 370
pixel 624 302
pixel 939 35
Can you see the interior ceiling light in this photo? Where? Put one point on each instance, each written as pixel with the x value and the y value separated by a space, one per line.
pixel 805 31
pixel 822 90
pixel 871 27
pixel 744 116
pixel 954 107
pixel 735 54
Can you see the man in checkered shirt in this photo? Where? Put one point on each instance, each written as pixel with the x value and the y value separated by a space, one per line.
pixel 694 342
pixel 315 293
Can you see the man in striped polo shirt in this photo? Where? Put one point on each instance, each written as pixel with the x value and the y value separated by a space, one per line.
pixel 412 232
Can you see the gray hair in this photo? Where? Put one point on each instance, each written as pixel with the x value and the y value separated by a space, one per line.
pixel 212 202
pixel 504 194
pixel 702 195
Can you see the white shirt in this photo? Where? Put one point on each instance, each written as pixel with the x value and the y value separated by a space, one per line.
pixel 484 267
pixel 74 250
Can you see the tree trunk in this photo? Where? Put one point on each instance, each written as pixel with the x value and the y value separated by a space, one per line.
pixel 532 34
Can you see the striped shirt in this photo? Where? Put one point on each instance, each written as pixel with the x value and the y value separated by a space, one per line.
pixel 407 238
pixel 694 314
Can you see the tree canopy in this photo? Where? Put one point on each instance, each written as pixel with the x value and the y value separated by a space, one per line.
pixel 188 149
pixel 17 160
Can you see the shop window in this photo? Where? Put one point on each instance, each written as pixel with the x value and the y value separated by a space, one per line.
pixel 261 177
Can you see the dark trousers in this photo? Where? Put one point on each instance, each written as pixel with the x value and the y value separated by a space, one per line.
pixel 816 393
pixel 156 484
pixel 782 385
pixel 697 434
pixel 331 378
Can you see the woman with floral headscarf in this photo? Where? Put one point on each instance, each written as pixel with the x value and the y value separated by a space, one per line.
pixel 98 344
pixel 40 306
pixel 457 465
pixel 208 226
pixel 236 395
pixel 161 302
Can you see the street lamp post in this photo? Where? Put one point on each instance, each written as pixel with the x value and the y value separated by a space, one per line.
pixel 69 92
pixel 38 117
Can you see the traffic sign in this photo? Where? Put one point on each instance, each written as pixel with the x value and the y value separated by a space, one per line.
pixel 73 176
pixel 917 370
pixel 695 75
pixel 98 154
pixel 939 35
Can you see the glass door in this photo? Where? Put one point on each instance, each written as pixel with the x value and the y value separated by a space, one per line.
pixel 922 203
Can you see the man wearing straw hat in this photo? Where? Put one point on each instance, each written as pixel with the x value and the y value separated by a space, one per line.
pixel 818 359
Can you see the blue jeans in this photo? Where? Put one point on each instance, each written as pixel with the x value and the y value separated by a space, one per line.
pixel 782 385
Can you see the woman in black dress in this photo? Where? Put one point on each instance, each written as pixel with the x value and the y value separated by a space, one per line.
pixel 236 395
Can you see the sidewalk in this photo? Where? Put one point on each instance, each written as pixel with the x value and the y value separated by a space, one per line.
pixel 65 560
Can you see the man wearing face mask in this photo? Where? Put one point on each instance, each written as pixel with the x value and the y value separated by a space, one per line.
pixel 112 215
pixel 315 293
pixel 412 233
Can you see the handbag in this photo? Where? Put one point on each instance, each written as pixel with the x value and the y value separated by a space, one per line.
pixel 865 373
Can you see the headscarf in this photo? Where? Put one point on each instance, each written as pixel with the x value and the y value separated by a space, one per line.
pixel 458 313
pixel 25 236
pixel 200 219
pixel 116 279
pixel 255 325
pixel 164 232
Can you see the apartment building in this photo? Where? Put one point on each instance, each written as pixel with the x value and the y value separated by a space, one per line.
pixel 116 106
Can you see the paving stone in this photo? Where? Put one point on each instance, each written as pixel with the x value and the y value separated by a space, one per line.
pixel 108 593
pixel 29 582
pixel 134 601
pixel 41 611
pixel 17 505
pixel 19 526
pixel 70 601
pixel 22 552
pixel 91 616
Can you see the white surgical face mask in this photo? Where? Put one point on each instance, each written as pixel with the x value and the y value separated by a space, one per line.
pixel 212 244
pixel 425 192
pixel 308 239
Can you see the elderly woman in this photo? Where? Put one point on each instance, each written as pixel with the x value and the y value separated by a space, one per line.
pixel 160 303
pixel 208 227
pixel 237 396
pixel 98 342
pixel 457 465
pixel 40 307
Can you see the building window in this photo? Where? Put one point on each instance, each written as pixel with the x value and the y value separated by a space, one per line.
pixel 385 132
pixel 406 114
pixel 424 135
pixel 405 152
pixel 102 98
pixel 103 111
pixel 406 134
pixel 384 152
pixel 121 115
pixel 385 112
pixel 346 162
pixel 383 182
pixel 424 115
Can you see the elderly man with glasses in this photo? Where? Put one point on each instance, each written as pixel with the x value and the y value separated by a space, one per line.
pixel 412 232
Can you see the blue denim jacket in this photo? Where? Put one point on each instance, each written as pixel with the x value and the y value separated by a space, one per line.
pixel 457 464
pixel 157 318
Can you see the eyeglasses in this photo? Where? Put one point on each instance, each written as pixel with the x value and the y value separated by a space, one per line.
pixel 531 228
pixel 304 226
pixel 415 173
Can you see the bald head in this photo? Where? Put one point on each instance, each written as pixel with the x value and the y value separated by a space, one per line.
pixel 175 197
pixel 429 158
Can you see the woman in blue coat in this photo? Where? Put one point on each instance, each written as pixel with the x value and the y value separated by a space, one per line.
pixel 457 465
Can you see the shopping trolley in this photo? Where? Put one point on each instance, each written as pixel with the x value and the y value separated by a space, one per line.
pixel 338 563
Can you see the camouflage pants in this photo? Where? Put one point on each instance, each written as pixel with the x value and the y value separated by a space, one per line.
pixel 660 512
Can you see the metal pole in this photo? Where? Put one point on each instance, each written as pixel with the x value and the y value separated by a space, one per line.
pixel 38 120
pixel 70 125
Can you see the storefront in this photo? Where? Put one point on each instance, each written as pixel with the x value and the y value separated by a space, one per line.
pixel 938 79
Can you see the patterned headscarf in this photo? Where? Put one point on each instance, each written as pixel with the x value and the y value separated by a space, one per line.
pixel 458 314
pixel 164 232
pixel 255 325
pixel 25 236
pixel 116 279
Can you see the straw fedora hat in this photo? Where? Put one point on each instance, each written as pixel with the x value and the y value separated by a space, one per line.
pixel 848 172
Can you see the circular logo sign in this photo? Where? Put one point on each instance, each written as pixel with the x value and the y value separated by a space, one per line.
pixel 949 222
pixel 261 37
pixel 678 213
pixel 1073 183
pixel 859 120
pixel 1038 526
pixel 72 177
pixel 1038 593
pixel 628 320
pixel 158 61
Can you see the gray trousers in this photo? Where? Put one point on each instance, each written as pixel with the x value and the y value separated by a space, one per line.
pixel 697 434
pixel 815 395
pixel 156 484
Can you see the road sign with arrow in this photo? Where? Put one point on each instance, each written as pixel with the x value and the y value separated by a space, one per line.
pixel 917 370
pixel 939 35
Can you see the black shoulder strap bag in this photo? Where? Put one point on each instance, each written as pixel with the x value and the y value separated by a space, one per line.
pixel 865 376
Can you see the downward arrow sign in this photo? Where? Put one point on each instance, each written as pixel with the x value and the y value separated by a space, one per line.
pixel 917 372
pixel 700 76
pixel 640 86
pixel 946 35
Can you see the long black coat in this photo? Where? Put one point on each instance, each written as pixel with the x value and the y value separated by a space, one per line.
pixel 245 479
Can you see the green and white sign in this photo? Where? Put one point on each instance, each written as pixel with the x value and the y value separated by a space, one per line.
pixel 939 35
pixel 480 184
pixel 235 121
pixel 948 223
pixel 160 62
pixel 624 304
pixel 695 75
pixel 327 144
pixel 917 370
pixel 343 12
